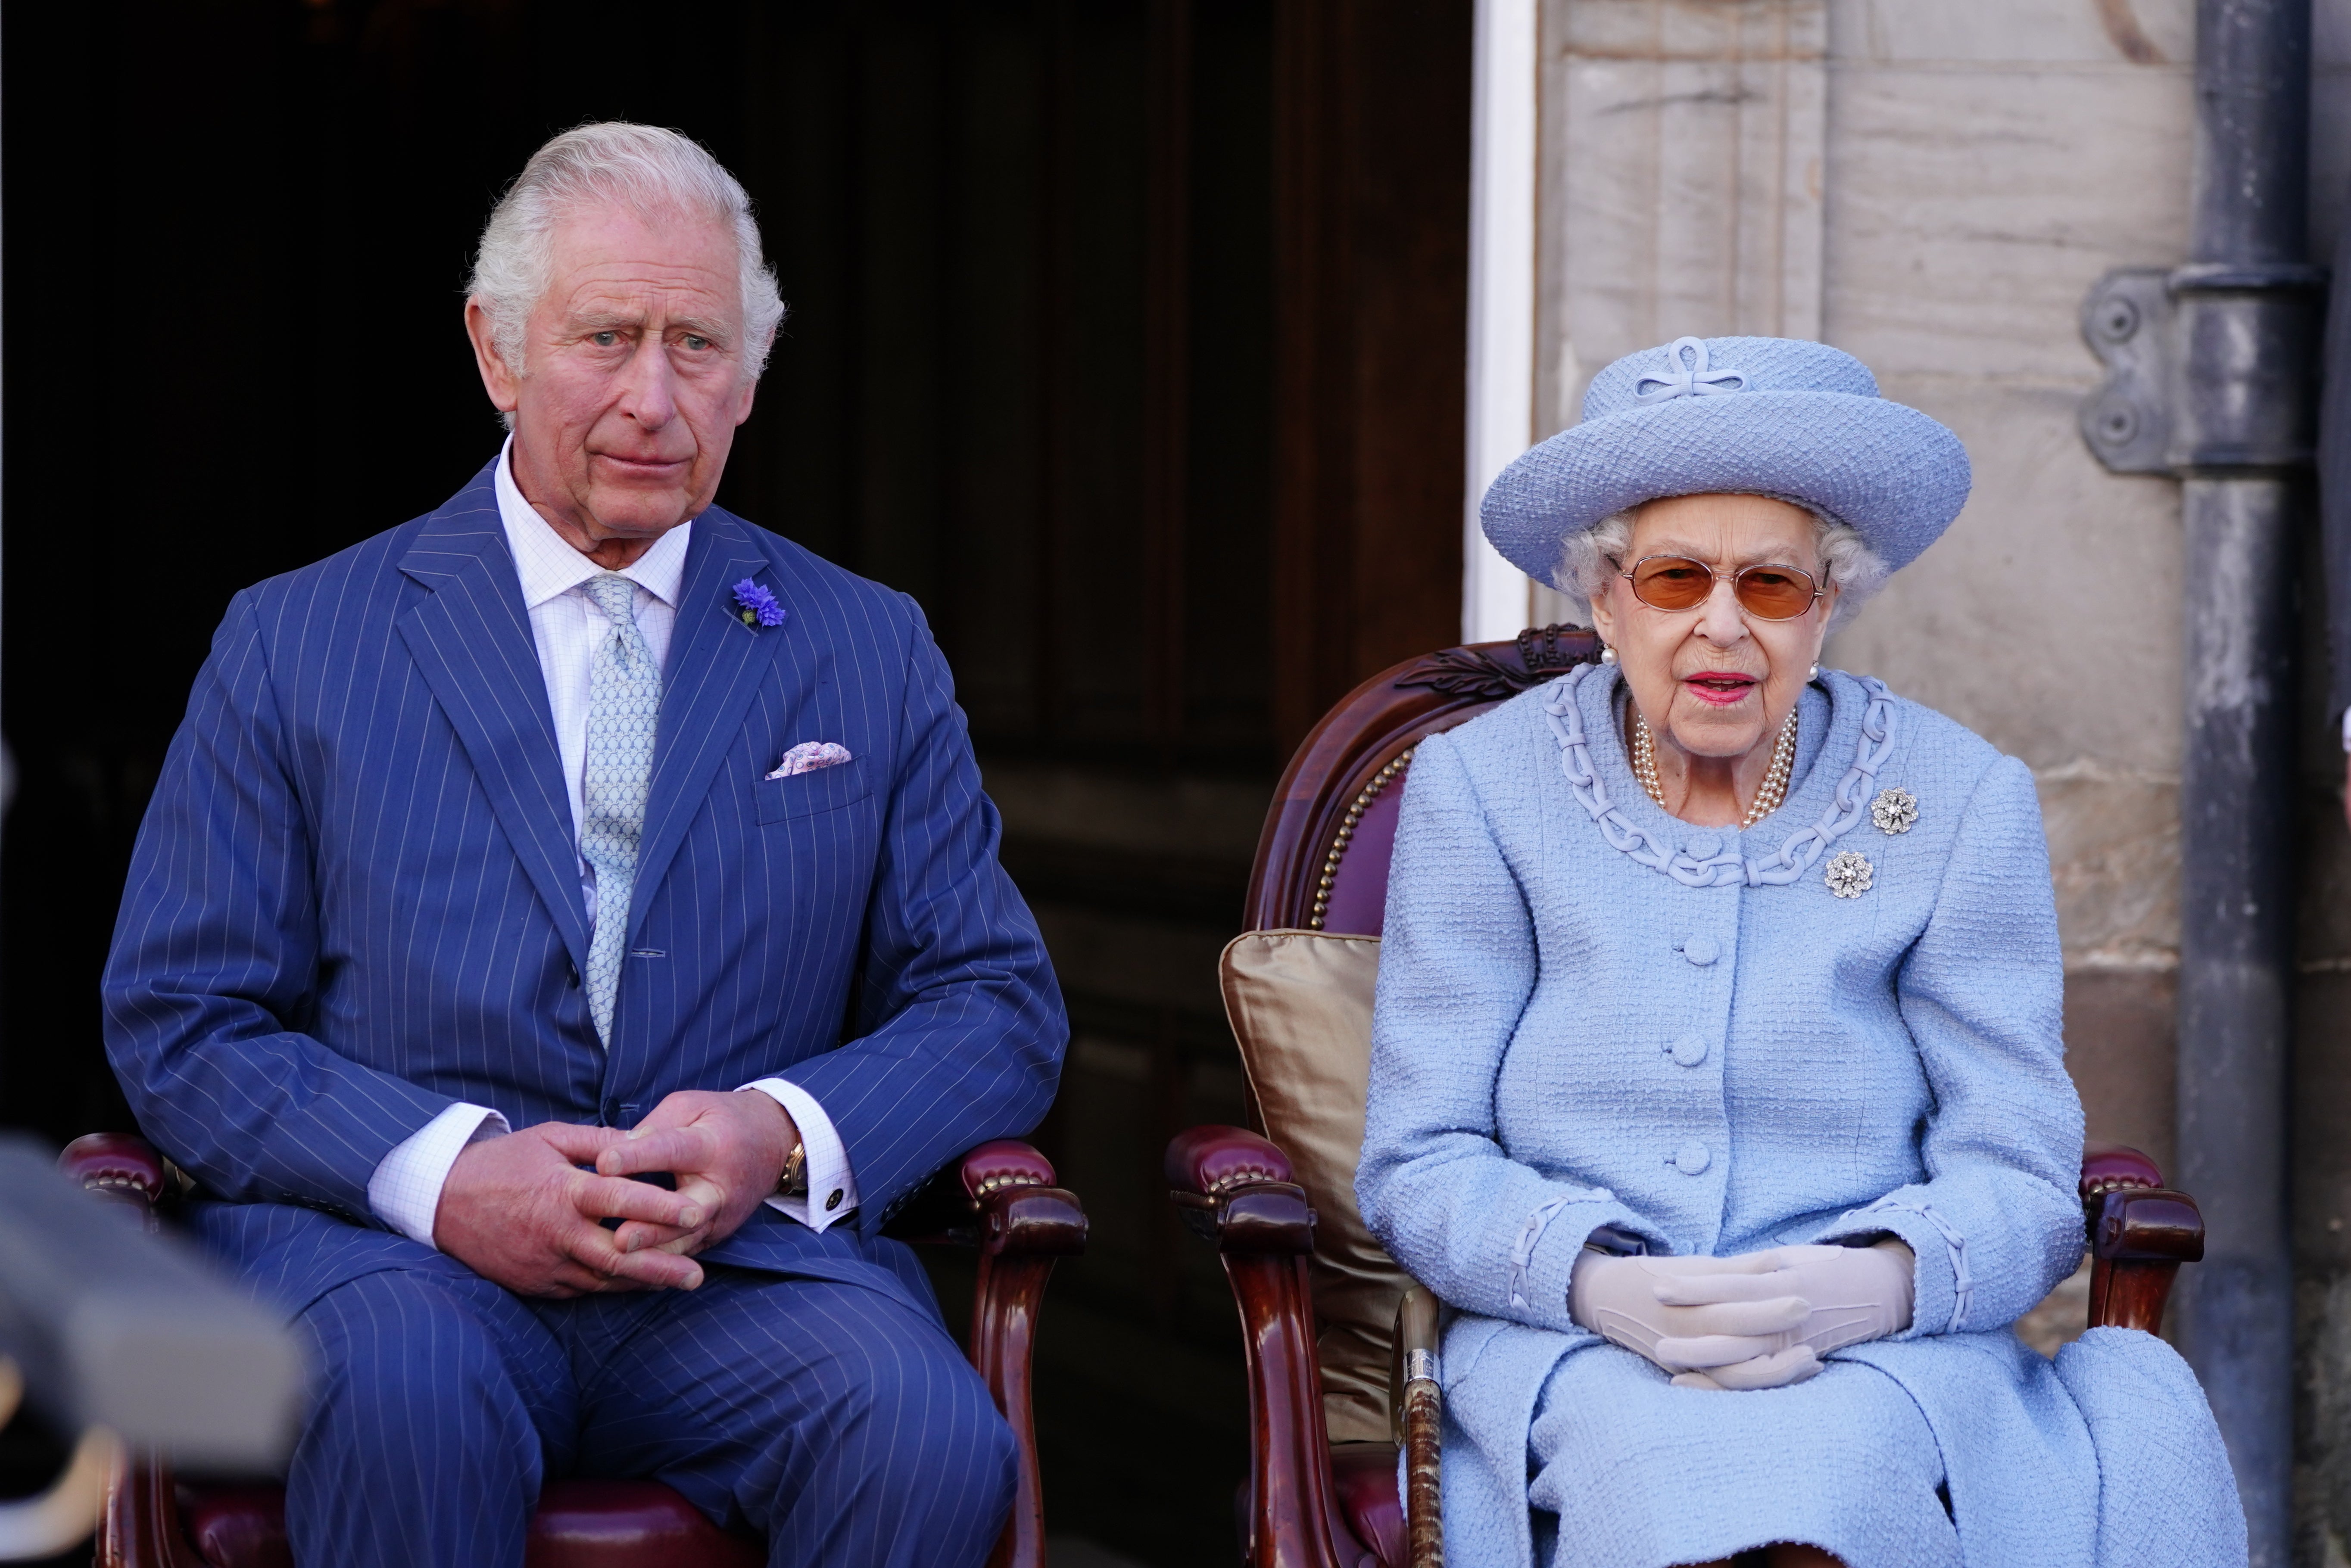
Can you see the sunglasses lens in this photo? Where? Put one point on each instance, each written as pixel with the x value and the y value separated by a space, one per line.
pixel 1672 582
pixel 1775 593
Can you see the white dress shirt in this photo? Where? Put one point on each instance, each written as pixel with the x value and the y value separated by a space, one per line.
pixel 405 1190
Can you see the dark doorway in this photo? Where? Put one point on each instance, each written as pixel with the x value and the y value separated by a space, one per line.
pixel 1126 337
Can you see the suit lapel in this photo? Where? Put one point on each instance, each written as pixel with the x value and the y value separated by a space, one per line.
pixel 471 640
pixel 715 664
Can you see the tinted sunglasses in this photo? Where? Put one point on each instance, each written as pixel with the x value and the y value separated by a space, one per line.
pixel 1766 592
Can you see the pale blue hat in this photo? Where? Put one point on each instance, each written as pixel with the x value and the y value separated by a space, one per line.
pixel 1764 416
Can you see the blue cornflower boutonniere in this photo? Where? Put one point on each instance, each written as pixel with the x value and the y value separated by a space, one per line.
pixel 755 607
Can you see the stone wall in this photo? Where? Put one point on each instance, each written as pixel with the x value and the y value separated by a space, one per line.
pixel 1934 187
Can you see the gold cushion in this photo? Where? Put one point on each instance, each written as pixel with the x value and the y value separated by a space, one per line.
pixel 1300 1005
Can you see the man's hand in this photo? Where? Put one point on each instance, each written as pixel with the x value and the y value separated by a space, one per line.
pixel 518 1211
pixel 726 1151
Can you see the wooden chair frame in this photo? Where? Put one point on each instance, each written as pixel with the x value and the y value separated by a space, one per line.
pixel 1235 1188
pixel 998 1198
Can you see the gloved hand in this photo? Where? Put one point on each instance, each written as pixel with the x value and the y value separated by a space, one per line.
pixel 1625 1300
pixel 1851 1294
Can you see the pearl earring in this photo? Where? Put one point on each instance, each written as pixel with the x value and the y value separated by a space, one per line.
pixel 1814 674
pixel 1607 654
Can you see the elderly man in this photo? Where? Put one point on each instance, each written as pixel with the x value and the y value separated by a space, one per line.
pixel 577 831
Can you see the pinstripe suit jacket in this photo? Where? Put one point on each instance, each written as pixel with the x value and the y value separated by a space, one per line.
pixel 355 898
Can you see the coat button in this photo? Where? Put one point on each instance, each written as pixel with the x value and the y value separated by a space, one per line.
pixel 1692 1159
pixel 1688 1050
pixel 1701 951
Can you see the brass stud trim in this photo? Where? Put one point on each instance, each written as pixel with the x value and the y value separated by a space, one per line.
pixel 1345 835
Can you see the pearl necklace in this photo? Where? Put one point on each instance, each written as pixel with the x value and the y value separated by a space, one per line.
pixel 1768 799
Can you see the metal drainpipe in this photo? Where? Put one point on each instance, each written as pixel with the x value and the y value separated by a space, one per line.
pixel 2241 436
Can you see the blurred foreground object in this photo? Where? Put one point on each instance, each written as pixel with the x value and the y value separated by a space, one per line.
pixel 128 1339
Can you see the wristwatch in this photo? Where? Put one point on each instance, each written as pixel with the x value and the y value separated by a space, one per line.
pixel 792 1180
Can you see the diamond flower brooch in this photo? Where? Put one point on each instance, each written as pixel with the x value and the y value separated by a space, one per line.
pixel 1848 875
pixel 1894 810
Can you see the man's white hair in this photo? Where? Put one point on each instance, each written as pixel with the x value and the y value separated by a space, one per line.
pixel 654 174
pixel 1589 559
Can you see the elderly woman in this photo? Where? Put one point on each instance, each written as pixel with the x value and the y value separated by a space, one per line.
pixel 1717 1073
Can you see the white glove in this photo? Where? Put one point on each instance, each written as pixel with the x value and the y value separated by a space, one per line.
pixel 1634 1302
pixel 1851 1294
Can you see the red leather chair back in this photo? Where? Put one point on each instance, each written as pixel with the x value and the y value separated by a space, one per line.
pixel 1323 861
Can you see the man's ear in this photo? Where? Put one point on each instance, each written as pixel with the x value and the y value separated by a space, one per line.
pixel 498 380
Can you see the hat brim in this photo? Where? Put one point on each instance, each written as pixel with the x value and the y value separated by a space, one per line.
pixel 1893 474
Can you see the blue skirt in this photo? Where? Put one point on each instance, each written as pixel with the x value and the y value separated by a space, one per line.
pixel 1629 1472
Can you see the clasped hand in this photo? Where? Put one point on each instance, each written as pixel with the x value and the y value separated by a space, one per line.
pixel 1760 1320
pixel 520 1210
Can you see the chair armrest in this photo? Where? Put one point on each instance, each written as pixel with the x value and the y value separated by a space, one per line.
pixel 1208 1160
pixel 2139 1232
pixel 2140 1226
pixel 952 1209
pixel 125 1168
pixel 2107 1167
pixel 1234 1189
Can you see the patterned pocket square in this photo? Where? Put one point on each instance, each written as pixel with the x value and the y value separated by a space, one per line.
pixel 808 756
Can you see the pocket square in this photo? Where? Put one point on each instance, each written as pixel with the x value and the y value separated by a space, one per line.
pixel 808 756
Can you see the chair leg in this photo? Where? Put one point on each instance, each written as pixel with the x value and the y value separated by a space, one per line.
pixel 1028 1230
pixel 1295 1512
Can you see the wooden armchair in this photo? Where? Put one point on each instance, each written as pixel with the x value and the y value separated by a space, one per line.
pixel 1329 1323
pixel 999 1199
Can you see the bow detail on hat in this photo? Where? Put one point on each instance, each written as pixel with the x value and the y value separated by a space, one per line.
pixel 1688 379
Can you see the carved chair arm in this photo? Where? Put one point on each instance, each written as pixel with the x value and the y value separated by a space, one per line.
pixel 1208 1160
pixel 125 1168
pixel 2139 1233
pixel 1234 1189
pixel 1000 1198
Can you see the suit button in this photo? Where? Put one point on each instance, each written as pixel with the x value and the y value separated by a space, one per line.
pixel 1692 1159
pixel 1688 1050
pixel 1701 951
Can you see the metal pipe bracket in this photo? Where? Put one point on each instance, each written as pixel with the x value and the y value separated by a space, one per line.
pixel 2209 370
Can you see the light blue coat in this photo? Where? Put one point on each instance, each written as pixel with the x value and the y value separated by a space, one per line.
pixel 1569 1035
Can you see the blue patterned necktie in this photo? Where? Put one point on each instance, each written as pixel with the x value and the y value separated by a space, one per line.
pixel 624 705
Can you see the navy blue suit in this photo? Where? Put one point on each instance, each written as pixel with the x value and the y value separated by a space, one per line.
pixel 356 900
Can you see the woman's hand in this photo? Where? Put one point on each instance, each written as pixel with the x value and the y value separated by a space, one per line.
pixel 1637 1302
pixel 1850 1295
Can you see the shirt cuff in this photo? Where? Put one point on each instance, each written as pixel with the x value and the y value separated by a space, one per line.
pixel 2346 729
pixel 831 1185
pixel 405 1190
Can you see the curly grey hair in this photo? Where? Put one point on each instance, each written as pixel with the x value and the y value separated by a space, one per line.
pixel 649 171
pixel 1589 559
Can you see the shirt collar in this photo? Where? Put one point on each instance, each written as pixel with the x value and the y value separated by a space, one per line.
pixel 548 566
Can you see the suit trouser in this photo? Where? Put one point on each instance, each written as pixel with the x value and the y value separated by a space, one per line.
pixel 835 1420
